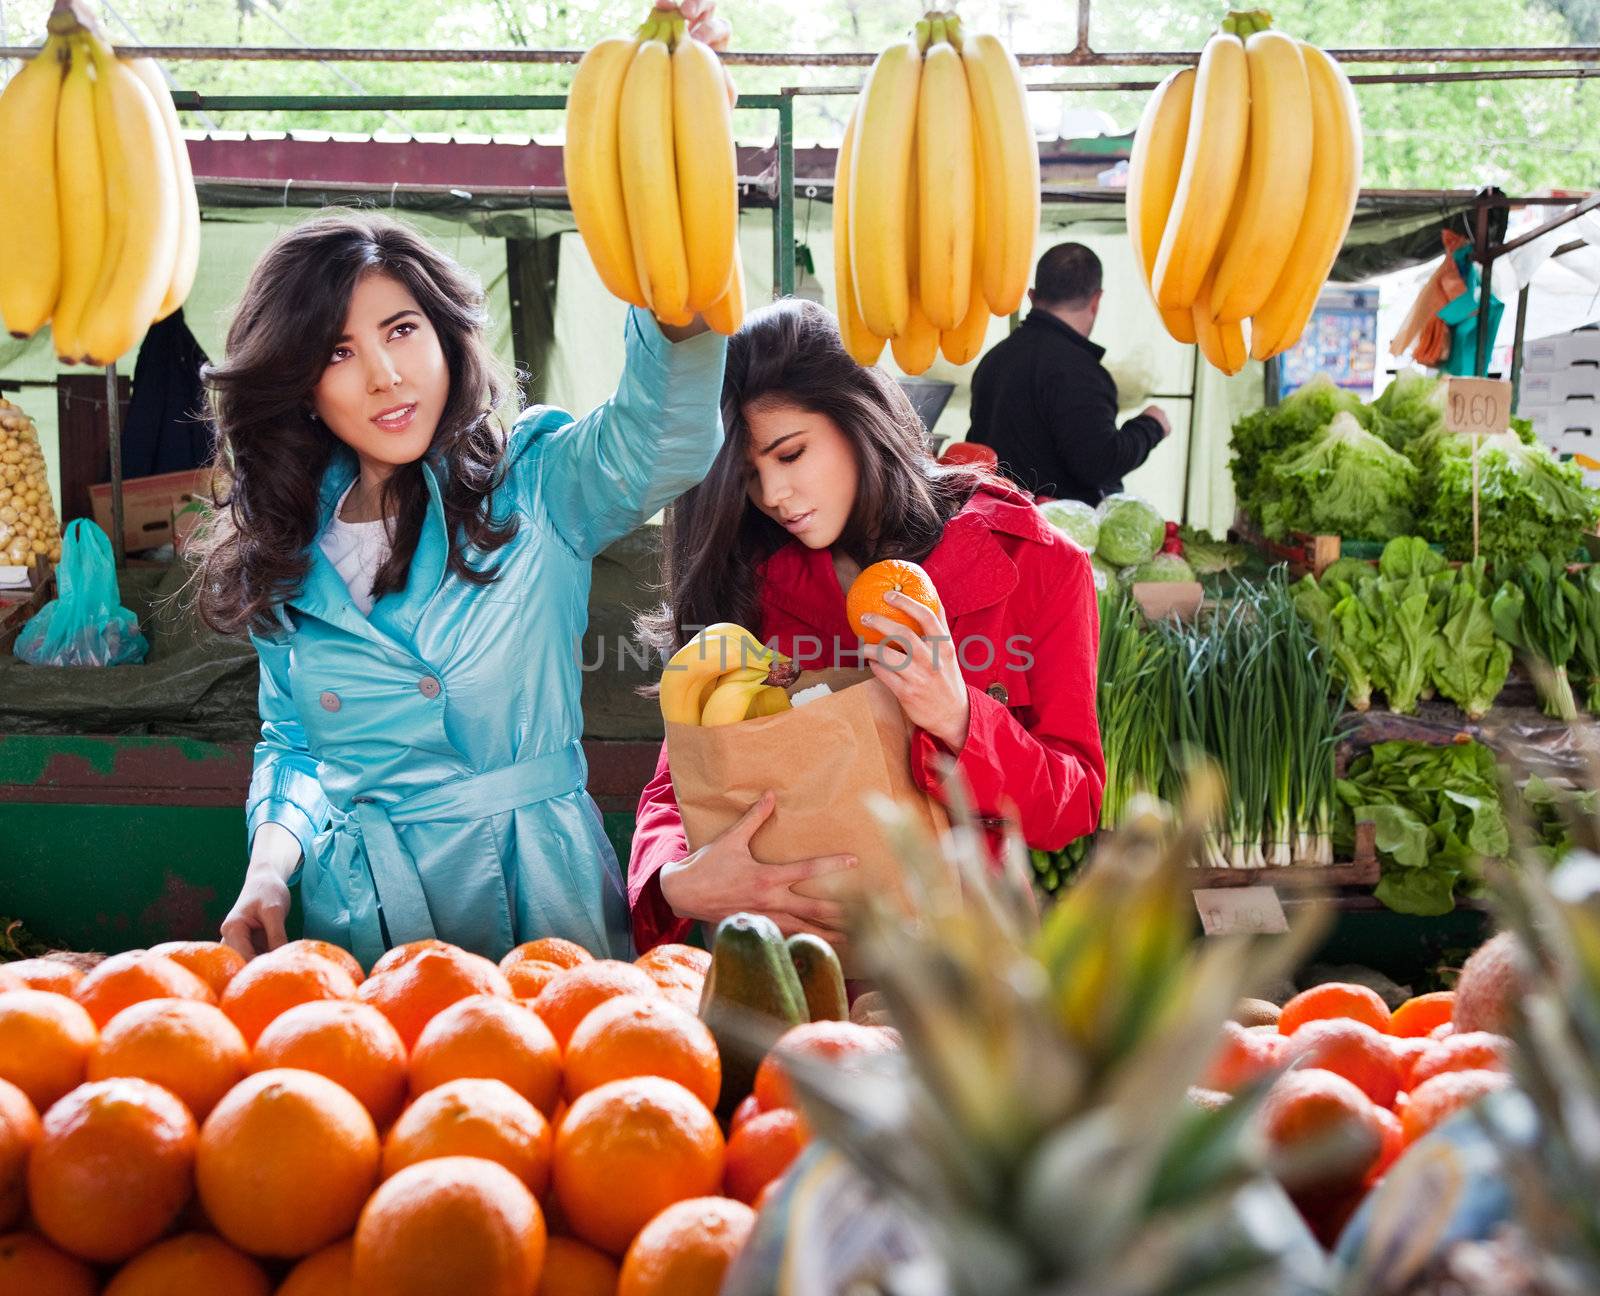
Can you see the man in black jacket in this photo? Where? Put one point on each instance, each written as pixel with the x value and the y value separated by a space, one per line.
pixel 1045 404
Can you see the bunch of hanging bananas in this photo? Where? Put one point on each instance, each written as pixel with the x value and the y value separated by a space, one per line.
pixel 936 198
pixel 99 223
pixel 652 174
pixel 721 676
pixel 1241 186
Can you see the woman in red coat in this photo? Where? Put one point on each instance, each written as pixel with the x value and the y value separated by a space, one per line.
pixel 825 469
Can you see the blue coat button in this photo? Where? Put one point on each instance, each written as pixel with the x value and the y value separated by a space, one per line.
pixel 330 702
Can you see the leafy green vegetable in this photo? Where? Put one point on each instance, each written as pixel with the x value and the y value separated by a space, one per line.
pixel 1529 503
pixel 1208 555
pixel 1105 575
pixel 1163 568
pixel 1437 811
pixel 1552 810
pixel 1470 662
pixel 1075 520
pixel 1291 423
pixel 1131 531
pixel 1409 407
pixel 1352 571
pixel 1319 604
pixel 1534 614
pixel 1346 482
pixel 1401 653
pixel 1583 594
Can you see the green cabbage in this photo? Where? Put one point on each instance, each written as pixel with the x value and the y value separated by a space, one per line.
pixel 1164 567
pixel 1105 575
pixel 1131 531
pixel 1075 520
pixel 1346 482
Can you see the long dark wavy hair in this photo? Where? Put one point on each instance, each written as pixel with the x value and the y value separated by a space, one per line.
pixel 273 454
pixel 715 538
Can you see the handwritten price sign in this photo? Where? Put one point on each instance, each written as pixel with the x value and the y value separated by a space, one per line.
pixel 1234 911
pixel 1479 406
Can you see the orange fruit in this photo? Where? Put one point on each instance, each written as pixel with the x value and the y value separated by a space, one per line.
pixel 190 1049
pixel 749 1108
pixel 1434 1100
pixel 547 949
pixel 190 1262
pixel 1335 999
pixel 42 974
pixel 679 970
pixel 574 1269
pixel 19 1135
pixel 323 1273
pixel 1473 1051
pixel 1244 1056
pixel 477 1118
pixel 134 977
pixel 274 983
pixel 1394 1143
pixel 827 1040
pixel 531 976
pixel 1353 1050
pixel 628 1150
pixel 333 953
pixel 1490 982
pixel 1325 1122
pixel 351 1044
pixel 45 1041
pixel 418 990
pixel 113 1168
pixel 400 955
pixel 893 575
pixel 1419 1015
pixel 458 1224
pixel 488 1038
pixel 213 962
pixel 634 1036
pixel 30 1266
pixel 574 994
pixel 286 1162
pixel 686 1249
pixel 761 1150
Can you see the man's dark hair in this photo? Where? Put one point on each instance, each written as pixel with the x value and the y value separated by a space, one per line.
pixel 1068 275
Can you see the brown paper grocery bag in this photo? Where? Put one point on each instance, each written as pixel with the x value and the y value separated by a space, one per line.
pixel 821 760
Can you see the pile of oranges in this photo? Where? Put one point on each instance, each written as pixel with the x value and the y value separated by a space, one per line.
pixel 1365 1082
pixel 179 1119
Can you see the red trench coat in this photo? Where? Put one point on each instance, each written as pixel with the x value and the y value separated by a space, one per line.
pixel 1006 579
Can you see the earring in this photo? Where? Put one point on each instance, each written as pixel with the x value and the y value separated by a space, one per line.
pixel 312 415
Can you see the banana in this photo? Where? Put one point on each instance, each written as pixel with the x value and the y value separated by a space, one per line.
pixel 30 240
pixel 142 211
pixel 650 180
pixel 917 345
pixel 726 313
pixel 708 170
pixel 188 257
pixel 714 652
pixel 1153 170
pixel 1009 166
pixel 730 703
pixel 1273 194
pixel 879 174
pixel 1331 191
pixel 1222 344
pixel 863 345
pixel 591 163
pixel 1213 157
pixel 769 701
pixel 946 186
pixel 82 194
pixel 962 344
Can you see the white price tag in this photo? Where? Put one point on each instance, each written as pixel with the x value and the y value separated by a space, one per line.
pixel 1480 406
pixel 1234 911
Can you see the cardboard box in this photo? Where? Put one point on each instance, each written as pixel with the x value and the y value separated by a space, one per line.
pixel 1159 600
pixel 1562 351
pixel 1574 420
pixel 149 505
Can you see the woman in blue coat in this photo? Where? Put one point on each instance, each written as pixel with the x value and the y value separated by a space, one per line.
pixel 416 582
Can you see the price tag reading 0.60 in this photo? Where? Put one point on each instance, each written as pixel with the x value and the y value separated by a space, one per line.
pixel 1481 406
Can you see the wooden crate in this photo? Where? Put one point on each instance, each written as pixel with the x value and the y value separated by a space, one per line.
pixel 1362 871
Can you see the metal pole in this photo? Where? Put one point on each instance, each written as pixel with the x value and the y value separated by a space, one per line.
pixel 114 447
pixel 1516 347
pixel 1083 26
pixel 783 215
pixel 1486 260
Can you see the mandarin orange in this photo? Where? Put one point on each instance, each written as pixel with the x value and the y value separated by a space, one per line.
pixel 488 1038
pixel 477 1118
pixel 352 1044
pixel 188 1048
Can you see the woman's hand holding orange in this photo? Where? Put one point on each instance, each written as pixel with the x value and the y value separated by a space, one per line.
pixel 920 668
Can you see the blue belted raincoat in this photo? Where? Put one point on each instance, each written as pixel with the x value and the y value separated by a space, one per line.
pixel 427 756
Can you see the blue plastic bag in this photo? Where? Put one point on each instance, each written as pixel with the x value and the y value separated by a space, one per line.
pixel 86 624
